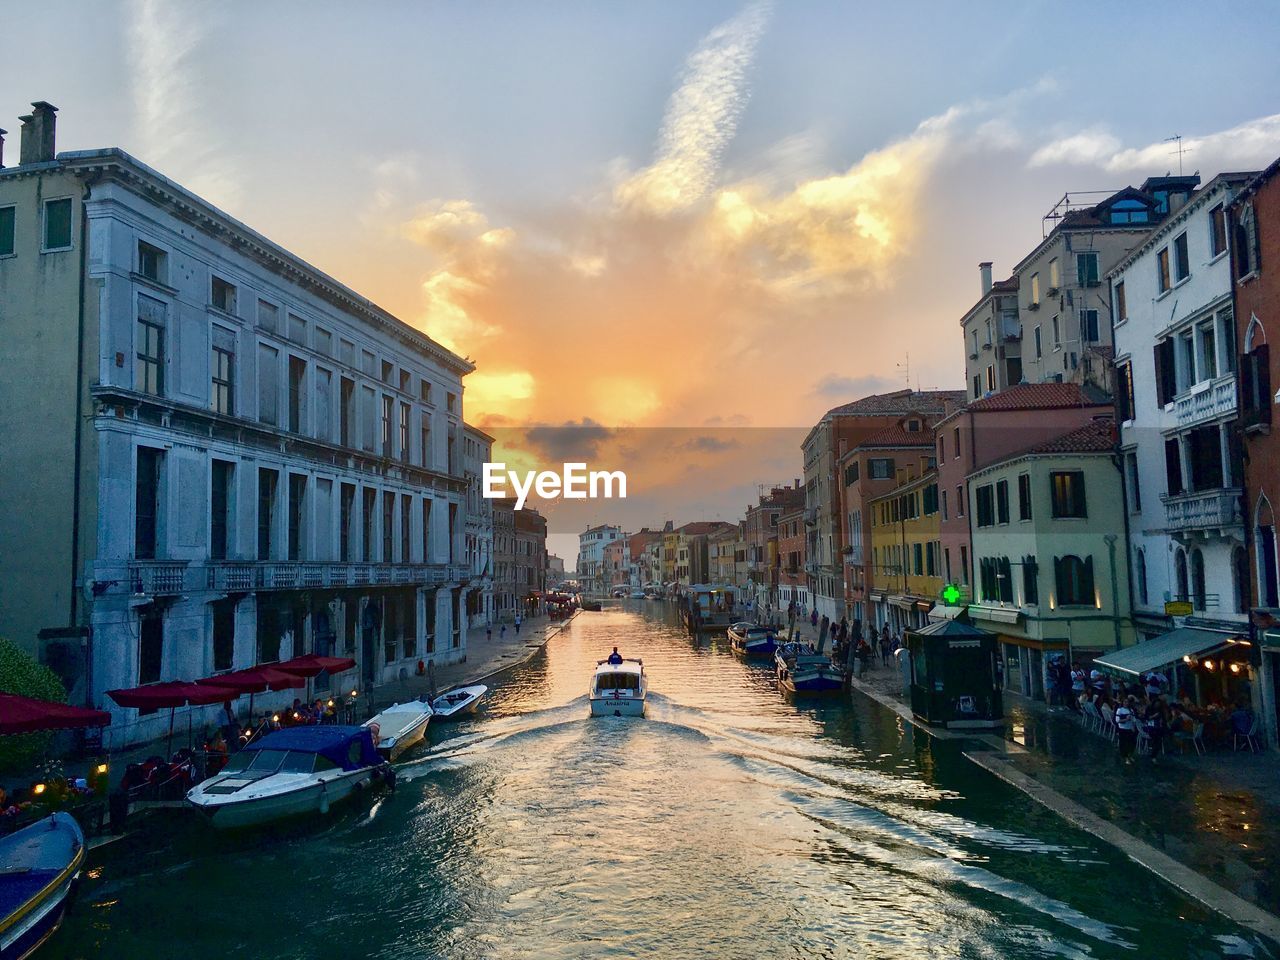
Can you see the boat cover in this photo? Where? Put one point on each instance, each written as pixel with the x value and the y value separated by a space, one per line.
pixel 349 747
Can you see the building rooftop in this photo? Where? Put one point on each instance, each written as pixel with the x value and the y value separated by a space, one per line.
pixel 899 402
pixel 1096 437
pixel 898 436
pixel 1042 396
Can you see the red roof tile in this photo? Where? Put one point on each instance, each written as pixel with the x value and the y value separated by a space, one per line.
pixel 1096 437
pixel 1041 396
pixel 898 436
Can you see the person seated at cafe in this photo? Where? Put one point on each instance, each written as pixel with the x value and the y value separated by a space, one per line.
pixel 1241 720
pixel 216 753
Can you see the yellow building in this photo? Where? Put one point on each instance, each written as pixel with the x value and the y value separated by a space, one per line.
pixel 906 552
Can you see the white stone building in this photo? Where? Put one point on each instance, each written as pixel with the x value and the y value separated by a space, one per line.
pixel 591 544
pixel 216 455
pixel 1176 393
pixel 477 450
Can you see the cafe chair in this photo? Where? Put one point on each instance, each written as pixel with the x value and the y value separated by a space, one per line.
pixel 1248 740
pixel 1195 738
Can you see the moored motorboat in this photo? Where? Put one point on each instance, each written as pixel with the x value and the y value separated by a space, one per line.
pixel 801 669
pixel 292 772
pixel 458 703
pixel 38 865
pixel 619 688
pixel 752 640
pixel 400 727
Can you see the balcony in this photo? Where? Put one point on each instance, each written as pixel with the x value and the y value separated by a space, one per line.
pixel 243 577
pixel 1206 401
pixel 158 578
pixel 1208 510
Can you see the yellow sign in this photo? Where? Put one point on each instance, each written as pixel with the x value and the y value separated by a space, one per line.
pixel 1177 608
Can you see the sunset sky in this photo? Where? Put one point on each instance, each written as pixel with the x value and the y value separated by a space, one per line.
pixel 709 216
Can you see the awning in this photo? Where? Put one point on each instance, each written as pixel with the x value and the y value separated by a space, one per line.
pixel 312 664
pixel 175 693
pixel 255 680
pixel 939 612
pixel 1163 650
pixel 981 611
pixel 19 714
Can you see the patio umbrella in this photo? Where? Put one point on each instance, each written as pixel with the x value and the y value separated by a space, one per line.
pixel 19 714
pixel 255 680
pixel 313 663
pixel 173 694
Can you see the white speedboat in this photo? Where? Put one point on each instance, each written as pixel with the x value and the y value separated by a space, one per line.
pixel 637 594
pixel 458 703
pixel 399 727
pixel 38 865
pixel 292 772
pixel 618 689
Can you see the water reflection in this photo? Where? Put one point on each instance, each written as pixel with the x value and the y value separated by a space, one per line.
pixel 729 823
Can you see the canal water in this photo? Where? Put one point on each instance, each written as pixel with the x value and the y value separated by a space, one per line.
pixel 729 823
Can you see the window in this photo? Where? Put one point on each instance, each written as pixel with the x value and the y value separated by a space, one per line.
pixel 991 379
pixel 57 224
pixel 451 402
pixel 268 316
pixel 985 499
pixel 223 295
pixel 1198 597
pixel 424 391
pixel 1121 305
pixel 1217 231
pixel 222 365
pixel 880 468
pixel 1255 387
pixel 995 579
pixel 346 516
pixel 152 262
pixel 1055 275
pixel 388 525
pixel 944 505
pixel 930 499
pixel 346 411
pixel 150 648
pixel 297 394
pixel 8 234
pixel 1181 257
pixel 426 530
pixel 1204 457
pixel 917 559
pixel 406 514
pixel 959 500
pixel 1129 211
pixel 1227 340
pixel 324 342
pixel 224 633
pixel 386 427
pixel 1140 574
pixel 1240 579
pixel 1089 326
pixel 404 432
pixel 1166 372
pixel 1135 488
pixel 297 514
pixel 146 519
pixel 977 385
pixel 1002 501
pixel 148 373
pixel 426 442
pixel 368 527
pixel 1074 579
pixel 1030 581
pixel 1180 575
pixel 1067 488
pixel 297 329
pixel 1035 290
pixel 1024 496
pixel 1162 269
pixel 268 384
pixel 453 529
pixel 964 564
pixel 220 516
pixel 324 403
pixel 1124 390
pixel 1173 466
pixel 1208 351
pixel 267 480
pixel 956 437
pixel 1087 269
pixel 388 373
pixel 405 381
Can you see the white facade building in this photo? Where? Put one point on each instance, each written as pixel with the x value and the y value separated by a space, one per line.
pixel 228 457
pixel 591 544
pixel 477 450
pixel 1176 385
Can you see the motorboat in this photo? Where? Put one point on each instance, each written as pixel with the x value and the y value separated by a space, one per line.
pixel 38 865
pixel 591 606
pixel 637 594
pixel 400 727
pixel 752 640
pixel 802 669
pixel 618 688
pixel 458 703
pixel 292 772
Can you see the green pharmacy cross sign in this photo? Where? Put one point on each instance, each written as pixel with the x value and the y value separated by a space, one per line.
pixel 952 595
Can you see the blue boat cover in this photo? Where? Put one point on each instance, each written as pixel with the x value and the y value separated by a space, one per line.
pixel 349 747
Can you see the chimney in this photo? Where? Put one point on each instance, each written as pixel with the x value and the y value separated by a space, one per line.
pixel 985 269
pixel 2 133
pixel 37 134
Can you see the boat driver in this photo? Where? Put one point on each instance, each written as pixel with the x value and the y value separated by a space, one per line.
pixel 615 657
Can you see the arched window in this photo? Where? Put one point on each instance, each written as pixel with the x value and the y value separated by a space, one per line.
pixel 1255 335
pixel 1240 578
pixel 1180 571
pixel 1074 580
pixel 1197 580
pixel 1140 574
pixel 1265 544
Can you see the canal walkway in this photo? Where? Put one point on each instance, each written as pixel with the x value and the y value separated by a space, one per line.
pixel 1210 825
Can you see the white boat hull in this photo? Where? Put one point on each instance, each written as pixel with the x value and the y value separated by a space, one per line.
pixel 410 730
pixel 609 706
pixel 312 796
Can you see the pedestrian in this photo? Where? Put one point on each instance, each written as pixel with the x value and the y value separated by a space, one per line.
pixel 1126 722
pixel 884 651
pixel 813 618
pixel 517 624
pixel 502 634
pixel 488 630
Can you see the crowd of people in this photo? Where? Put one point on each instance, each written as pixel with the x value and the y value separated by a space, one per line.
pixel 1143 712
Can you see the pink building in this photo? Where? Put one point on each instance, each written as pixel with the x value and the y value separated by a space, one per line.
pixel 991 429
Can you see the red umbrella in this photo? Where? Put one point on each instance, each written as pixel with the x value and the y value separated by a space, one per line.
pixel 313 663
pixel 255 680
pixel 19 714
pixel 174 694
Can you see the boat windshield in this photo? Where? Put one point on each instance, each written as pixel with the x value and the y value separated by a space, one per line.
pixel 617 681
pixel 262 763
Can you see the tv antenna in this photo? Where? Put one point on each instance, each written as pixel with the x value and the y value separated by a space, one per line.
pixel 1177 139
pixel 905 368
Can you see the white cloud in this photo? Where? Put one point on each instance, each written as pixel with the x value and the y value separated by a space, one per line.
pixel 702 117
pixel 163 40
pixel 1250 144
